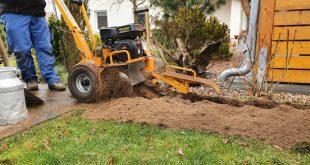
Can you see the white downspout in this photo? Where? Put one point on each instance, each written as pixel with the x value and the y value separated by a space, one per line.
pixel 251 46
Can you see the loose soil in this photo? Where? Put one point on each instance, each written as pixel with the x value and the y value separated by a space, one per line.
pixel 280 125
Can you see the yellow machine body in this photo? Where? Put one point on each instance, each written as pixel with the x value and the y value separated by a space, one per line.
pixel 89 56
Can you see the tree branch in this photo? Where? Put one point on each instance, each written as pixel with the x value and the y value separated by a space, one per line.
pixel 246 7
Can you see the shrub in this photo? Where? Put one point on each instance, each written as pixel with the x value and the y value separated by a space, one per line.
pixel 56 37
pixel 98 39
pixel 193 27
pixel 3 37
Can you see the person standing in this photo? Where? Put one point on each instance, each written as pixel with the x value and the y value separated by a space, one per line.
pixel 27 28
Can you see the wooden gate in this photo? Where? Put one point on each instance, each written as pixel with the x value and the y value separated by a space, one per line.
pixel 284 27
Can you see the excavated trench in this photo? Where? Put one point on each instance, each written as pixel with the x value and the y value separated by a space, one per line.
pixel 193 97
pixel 277 124
pixel 283 125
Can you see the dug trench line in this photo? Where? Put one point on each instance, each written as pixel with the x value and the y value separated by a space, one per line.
pixel 280 125
pixel 266 104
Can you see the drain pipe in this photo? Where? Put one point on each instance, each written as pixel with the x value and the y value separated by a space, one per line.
pixel 251 46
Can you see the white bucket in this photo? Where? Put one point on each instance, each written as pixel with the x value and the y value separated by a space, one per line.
pixel 12 97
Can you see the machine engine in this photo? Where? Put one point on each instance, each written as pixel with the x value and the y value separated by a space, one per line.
pixel 126 37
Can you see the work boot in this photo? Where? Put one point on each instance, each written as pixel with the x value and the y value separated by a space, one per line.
pixel 32 85
pixel 57 87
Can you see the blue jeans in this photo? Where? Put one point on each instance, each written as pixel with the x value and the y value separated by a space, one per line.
pixel 27 32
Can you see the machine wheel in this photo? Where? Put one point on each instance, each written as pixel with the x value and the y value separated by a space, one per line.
pixel 122 86
pixel 84 83
pixel 117 82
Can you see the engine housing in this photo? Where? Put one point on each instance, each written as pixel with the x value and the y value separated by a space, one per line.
pixel 126 37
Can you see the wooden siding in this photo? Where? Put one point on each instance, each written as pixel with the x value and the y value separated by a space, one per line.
pixel 302 62
pixel 297 48
pixel 289 76
pixel 290 44
pixel 290 5
pixel 286 18
pixel 298 33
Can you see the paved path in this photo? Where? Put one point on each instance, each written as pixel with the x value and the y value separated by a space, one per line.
pixel 56 104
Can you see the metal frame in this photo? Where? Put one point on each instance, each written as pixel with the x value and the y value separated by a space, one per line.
pixel 89 56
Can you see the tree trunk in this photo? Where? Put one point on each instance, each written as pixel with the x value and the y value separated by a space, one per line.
pixel 246 7
pixel 184 55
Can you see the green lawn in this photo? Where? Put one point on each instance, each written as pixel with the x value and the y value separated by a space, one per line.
pixel 73 140
pixel 63 74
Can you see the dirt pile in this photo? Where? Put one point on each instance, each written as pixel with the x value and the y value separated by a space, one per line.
pixel 281 125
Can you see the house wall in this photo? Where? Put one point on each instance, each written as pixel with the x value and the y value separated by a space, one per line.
pixel 224 13
pixel 235 21
pixel 49 8
pixel 117 14
pixel 230 14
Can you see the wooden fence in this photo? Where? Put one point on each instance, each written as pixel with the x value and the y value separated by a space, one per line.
pixel 284 28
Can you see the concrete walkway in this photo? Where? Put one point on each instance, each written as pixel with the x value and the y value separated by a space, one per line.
pixel 56 104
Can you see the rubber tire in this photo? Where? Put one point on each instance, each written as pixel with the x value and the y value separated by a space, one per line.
pixel 93 94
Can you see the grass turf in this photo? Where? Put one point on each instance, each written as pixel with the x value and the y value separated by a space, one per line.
pixel 73 140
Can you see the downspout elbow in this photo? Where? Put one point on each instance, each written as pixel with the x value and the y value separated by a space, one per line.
pixel 236 71
pixel 251 46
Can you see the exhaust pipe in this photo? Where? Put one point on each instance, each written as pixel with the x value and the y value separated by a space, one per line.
pixel 251 45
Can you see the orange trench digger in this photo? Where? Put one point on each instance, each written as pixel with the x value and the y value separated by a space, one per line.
pixel 119 65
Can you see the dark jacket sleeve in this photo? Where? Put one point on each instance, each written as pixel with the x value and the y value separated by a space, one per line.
pixel 8 2
pixel 24 7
